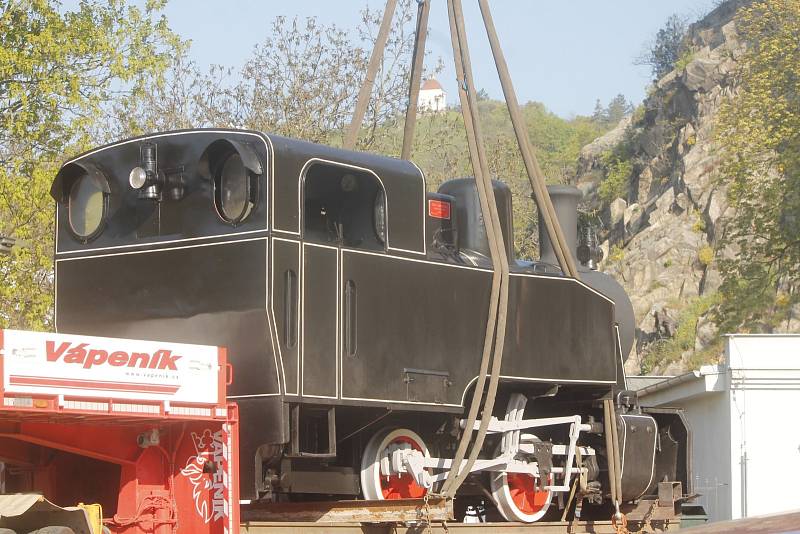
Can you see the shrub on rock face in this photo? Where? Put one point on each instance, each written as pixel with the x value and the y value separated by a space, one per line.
pixel 705 256
pixel 680 340
pixel 759 132
pixel 618 174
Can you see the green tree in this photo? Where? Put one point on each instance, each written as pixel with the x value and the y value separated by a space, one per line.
pixel 609 116
pixel 59 70
pixel 598 115
pixel 759 132
pixel 666 48
pixel 617 108
pixel 619 168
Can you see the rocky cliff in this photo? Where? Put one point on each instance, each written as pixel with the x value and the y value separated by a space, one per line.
pixel 662 225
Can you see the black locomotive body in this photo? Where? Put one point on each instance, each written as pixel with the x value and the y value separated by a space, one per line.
pixel 350 300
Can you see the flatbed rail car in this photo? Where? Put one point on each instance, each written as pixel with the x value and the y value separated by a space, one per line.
pixel 140 428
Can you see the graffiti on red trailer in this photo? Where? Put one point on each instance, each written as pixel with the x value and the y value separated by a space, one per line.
pixel 207 473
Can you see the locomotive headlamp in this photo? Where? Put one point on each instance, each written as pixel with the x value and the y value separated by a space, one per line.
pixel 137 178
pixel 145 177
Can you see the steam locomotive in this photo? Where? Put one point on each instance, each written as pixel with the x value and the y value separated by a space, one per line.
pixel 353 304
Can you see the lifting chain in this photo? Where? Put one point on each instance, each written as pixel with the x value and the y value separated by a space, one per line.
pixel 426 509
pixel 620 523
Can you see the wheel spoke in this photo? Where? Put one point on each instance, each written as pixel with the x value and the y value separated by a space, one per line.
pixel 380 486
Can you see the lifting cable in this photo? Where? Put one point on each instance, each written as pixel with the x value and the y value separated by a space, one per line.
pixel 494 338
pixel 448 487
pixel 469 109
pixel 613 454
pixel 417 65
pixel 351 135
pixel 554 230
pixel 535 175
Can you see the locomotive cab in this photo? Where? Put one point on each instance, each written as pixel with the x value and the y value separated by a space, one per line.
pixel 352 303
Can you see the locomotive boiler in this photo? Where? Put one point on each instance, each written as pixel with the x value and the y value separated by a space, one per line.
pixel 353 304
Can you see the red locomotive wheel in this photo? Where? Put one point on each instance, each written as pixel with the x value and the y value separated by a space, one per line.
pixel 525 493
pixel 519 497
pixel 376 485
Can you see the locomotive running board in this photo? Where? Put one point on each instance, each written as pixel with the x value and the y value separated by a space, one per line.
pixel 399 510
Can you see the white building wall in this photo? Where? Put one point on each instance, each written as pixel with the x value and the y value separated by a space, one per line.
pixel 708 420
pixel 432 100
pixel 765 437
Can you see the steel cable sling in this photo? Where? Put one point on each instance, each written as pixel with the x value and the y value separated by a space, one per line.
pixel 535 175
pixel 554 230
pixel 417 64
pixel 351 135
pixel 494 338
pixel 496 326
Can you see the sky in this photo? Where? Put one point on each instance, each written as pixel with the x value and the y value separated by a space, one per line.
pixel 565 54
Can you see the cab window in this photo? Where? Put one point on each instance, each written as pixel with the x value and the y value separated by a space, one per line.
pixel 344 207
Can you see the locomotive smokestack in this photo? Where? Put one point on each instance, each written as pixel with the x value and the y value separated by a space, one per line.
pixel 565 201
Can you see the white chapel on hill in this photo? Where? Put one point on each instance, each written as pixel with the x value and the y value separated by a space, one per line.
pixel 431 96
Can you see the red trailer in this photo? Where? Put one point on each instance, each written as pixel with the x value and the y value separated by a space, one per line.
pixel 140 428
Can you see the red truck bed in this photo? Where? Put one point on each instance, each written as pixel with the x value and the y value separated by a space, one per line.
pixel 140 427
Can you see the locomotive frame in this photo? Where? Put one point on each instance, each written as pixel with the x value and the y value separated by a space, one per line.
pixel 304 288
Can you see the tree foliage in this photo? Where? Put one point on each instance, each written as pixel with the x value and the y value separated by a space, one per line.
pixel 610 115
pixel 302 81
pixel 666 48
pixel 759 131
pixel 618 168
pixel 58 69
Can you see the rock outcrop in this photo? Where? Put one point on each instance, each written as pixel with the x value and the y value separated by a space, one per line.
pixel 659 239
